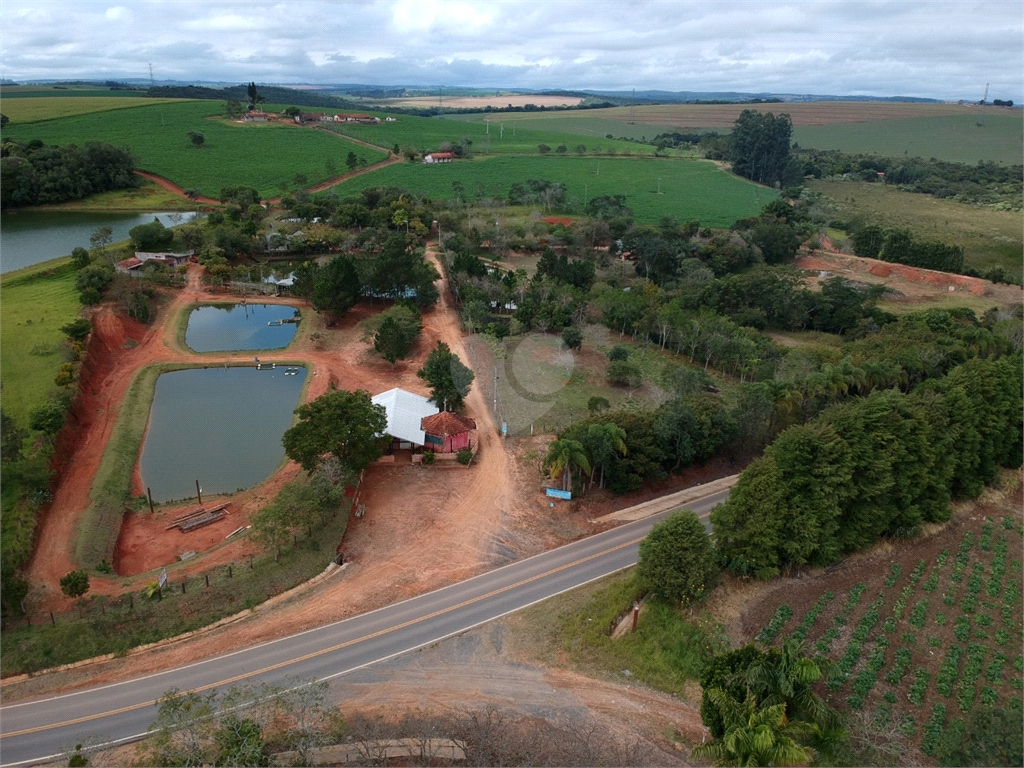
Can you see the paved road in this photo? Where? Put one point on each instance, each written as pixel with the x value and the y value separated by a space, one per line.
pixel 34 731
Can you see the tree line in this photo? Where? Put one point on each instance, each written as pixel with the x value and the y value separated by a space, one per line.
pixel 36 174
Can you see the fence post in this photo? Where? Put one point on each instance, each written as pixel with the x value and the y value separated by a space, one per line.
pixel 229 572
pixel 207 580
pixel 250 562
pixel 131 602
pixel 53 621
pixel 183 587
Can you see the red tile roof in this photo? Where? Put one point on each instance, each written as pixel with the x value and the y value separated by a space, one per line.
pixel 443 155
pixel 446 424
pixel 129 263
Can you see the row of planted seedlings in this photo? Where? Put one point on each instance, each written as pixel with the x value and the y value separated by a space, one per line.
pixel 864 669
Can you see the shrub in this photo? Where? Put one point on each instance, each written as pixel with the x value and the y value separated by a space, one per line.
pixel 620 373
pixel 428 456
pixel 464 456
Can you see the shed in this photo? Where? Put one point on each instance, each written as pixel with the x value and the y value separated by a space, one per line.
pixel 439 157
pixel 447 432
pixel 405 411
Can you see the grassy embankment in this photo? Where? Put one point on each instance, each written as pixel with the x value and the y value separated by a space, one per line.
pixel 37 301
pixel 989 237
pixel 264 156
pixel 689 189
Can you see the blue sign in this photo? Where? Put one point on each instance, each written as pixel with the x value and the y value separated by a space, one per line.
pixel 567 495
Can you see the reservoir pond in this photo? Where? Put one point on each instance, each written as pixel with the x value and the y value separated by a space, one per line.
pixel 220 426
pixel 229 327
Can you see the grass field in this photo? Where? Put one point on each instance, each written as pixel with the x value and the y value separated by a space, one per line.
pixel 957 138
pixel 988 237
pixel 945 131
pixel 689 189
pixel 259 155
pixel 32 109
pixel 426 134
pixel 34 304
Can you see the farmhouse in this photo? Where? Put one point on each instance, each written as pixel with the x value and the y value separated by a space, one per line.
pixel 405 412
pixel 439 157
pixel 257 117
pixel 129 266
pixel 447 432
pixel 168 258
pixel 361 118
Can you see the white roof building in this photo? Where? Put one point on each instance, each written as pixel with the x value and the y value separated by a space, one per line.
pixel 405 411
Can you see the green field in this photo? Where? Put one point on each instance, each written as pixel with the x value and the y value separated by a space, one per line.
pixel 259 155
pixel 589 126
pixel 32 109
pixel 690 189
pixel 989 237
pixel 956 138
pixel 34 304
pixel 426 134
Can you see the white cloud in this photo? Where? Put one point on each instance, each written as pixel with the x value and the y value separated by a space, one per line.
pixel 938 49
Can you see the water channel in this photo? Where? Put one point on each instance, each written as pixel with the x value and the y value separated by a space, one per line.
pixel 225 327
pixel 220 426
pixel 32 237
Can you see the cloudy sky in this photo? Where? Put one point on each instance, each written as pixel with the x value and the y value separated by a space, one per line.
pixel 946 50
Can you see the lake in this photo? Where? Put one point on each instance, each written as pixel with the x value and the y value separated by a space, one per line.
pixel 220 426
pixel 228 327
pixel 32 237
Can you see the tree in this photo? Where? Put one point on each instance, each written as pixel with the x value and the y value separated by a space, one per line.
pixel 572 337
pixel 543 148
pixel 344 424
pixel 760 145
pixel 11 438
pixel 352 161
pixel 253 96
pixel 754 735
pixel 604 442
pixel 394 339
pixel 197 137
pixel 47 418
pixel 336 287
pixel 102 237
pixel 80 258
pixel 234 108
pixel 75 583
pixel 562 456
pixel 786 678
pixel 152 237
pixel 448 378
pixel 677 559
pixel 77 330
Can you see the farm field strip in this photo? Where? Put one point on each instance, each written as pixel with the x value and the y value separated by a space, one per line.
pixel 689 190
pixel 259 155
pixel 33 109
pixel 903 647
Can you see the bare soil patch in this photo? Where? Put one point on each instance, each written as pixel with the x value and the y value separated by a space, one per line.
pixel 909 286
pixel 473 102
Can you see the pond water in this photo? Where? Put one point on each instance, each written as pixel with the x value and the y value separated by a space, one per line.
pixel 220 426
pixel 227 327
pixel 32 237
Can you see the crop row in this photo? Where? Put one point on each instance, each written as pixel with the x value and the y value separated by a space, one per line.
pixel 812 616
pixel 782 615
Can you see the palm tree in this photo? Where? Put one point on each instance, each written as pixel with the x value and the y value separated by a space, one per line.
pixel 605 441
pixel 785 678
pixel 754 735
pixel 562 456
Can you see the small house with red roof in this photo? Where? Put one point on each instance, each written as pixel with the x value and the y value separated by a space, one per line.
pixel 129 266
pixel 439 157
pixel 447 432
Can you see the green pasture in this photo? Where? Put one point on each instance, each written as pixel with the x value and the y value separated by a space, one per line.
pixel 689 189
pixel 34 304
pixel 259 155
pixel 589 126
pixel 427 134
pixel 989 237
pixel 32 109
pixel 956 138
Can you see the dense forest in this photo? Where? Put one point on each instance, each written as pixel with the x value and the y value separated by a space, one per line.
pixel 35 174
